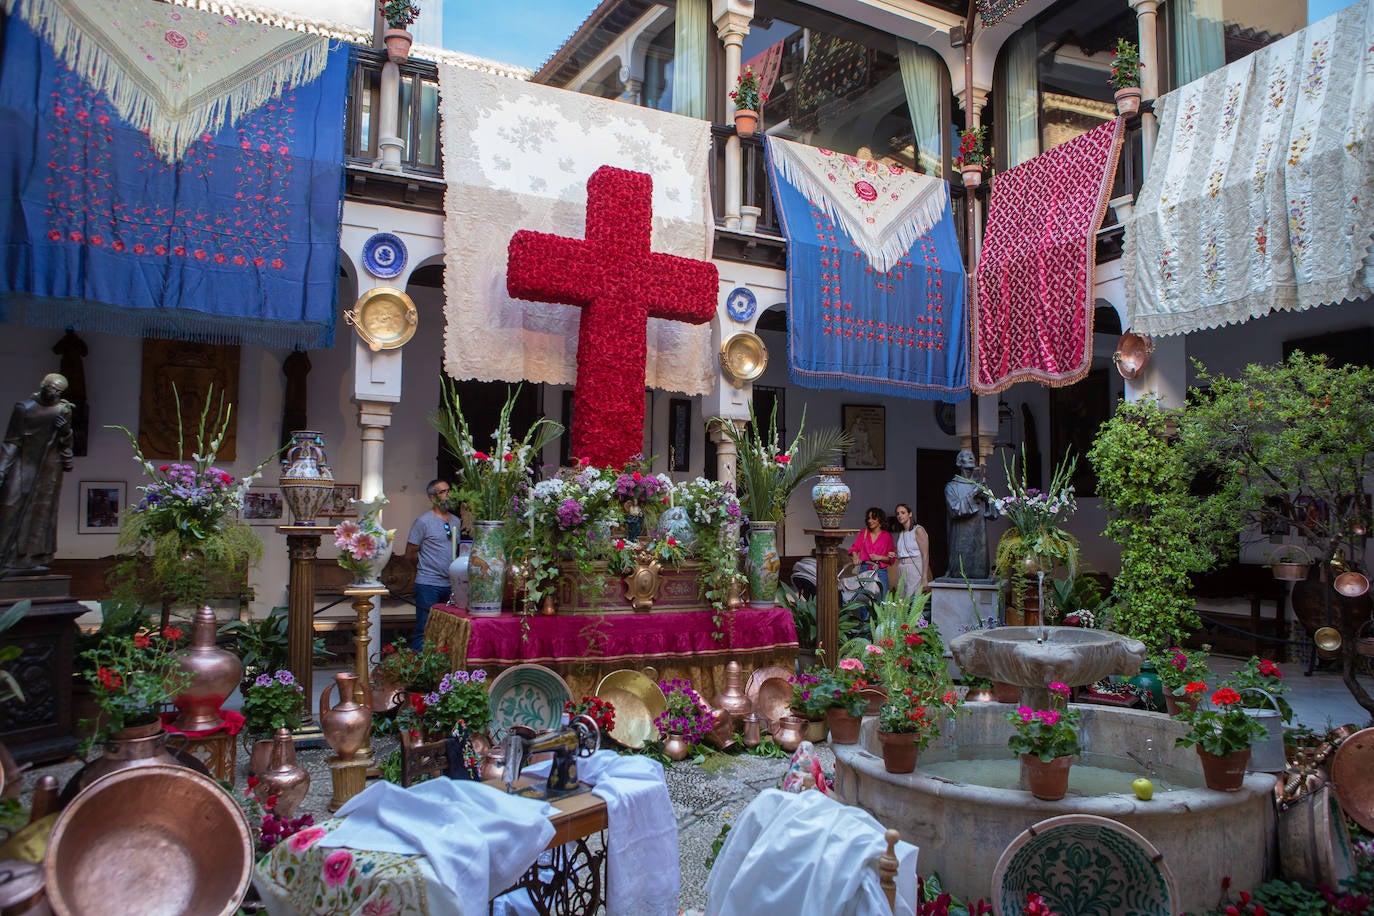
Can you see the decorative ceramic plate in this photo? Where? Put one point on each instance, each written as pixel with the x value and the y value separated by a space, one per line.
pixel 1062 857
pixel 638 700
pixel 529 695
pixel 1352 776
pixel 384 255
pixel 741 303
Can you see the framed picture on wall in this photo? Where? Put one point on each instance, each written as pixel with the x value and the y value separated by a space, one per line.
pixel 867 426
pixel 263 506
pixel 339 505
pixel 101 504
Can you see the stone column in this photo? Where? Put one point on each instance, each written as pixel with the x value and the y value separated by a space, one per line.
pixel 388 117
pixel 374 417
pixel 732 20
pixel 727 458
pixel 1146 25
pixel 633 88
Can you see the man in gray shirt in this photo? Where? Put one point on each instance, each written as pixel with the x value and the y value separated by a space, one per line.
pixel 429 548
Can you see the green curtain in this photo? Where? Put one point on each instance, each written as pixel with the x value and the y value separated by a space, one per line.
pixel 921 71
pixel 1199 41
pixel 692 30
pixel 1021 111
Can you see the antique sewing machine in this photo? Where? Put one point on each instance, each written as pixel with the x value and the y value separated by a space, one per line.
pixel 579 738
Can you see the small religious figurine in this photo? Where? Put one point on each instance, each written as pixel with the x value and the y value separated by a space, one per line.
pixel 969 510
pixel 37 450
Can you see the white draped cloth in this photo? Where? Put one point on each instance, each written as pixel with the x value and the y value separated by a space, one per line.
pixel 517 155
pixel 806 854
pixel 1259 195
pixel 476 839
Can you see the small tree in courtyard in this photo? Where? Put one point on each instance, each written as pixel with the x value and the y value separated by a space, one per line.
pixel 1292 444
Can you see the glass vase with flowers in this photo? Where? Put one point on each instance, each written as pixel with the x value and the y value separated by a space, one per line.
pixel 1222 733
pixel 187 522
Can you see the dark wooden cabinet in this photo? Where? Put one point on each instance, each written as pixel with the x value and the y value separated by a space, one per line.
pixel 39 728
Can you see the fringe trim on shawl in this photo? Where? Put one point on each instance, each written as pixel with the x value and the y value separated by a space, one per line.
pixel 883 247
pixel 267 16
pixel 171 127
pixel 172 324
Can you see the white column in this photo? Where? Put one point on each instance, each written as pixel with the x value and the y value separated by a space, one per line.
pixel 732 24
pixel 727 458
pixel 1146 25
pixel 373 419
pixel 388 117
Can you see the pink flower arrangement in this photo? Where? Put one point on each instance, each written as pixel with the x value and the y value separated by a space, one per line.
pixel 360 543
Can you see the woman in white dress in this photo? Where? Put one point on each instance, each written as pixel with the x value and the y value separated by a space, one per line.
pixel 913 553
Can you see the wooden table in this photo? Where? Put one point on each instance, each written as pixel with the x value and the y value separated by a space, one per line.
pixel 576 872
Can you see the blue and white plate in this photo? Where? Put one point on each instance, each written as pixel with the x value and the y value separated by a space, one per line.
pixel 384 255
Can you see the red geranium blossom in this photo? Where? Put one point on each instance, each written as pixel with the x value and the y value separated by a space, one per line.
pixel 1225 697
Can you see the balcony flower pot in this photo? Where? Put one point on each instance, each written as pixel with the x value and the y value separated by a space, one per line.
pixel 746 122
pixel 398 43
pixel 1128 101
pixel 973 175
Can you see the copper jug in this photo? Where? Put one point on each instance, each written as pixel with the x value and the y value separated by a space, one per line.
pixel 214 672
pixel 791 731
pixel 753 730
pixel 283 777
pixel 345 726
pixel 732 699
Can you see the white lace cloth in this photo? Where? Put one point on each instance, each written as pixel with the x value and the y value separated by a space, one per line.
pixel 1259 195
pixel 517 155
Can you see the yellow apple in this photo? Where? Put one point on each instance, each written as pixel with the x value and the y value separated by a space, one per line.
pixel 1144 789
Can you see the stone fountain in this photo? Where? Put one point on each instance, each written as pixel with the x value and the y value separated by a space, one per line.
pixel 1032 657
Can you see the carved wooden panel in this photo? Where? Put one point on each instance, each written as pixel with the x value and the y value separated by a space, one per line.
pixel 195 369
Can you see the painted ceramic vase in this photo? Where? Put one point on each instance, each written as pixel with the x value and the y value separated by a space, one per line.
pixel 306 481
pixel 762 564
pixel 830 497
pixel 486 569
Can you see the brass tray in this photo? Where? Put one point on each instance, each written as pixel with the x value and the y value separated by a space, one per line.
pixel 385 318
pixel 758 676
pixel 774 700
pixel 638 700
pixel 744 356
pixel 1352 777
pixel 149 840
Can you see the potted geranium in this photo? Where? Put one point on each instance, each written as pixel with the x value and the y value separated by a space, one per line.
pixel 600 711
pixel 842 688
pixel 1046 740
pixel 1222 732
pixel 131 678
pixel 1177 668
pixel 972 156
pixel 459 701
pixel 685 719
pixel 399 14
pixel 810 701
pixel 748 97
pixel 907 722
pixel 1125 77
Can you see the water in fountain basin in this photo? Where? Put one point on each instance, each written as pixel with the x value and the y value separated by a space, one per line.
pixel 1005 773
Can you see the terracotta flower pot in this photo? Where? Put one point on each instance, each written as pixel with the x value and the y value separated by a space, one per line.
pixel 1128 101
pixel 1047 781
pixel 398 43
pixel 746 122
pixel 1224 774
pixel 899 751
pixel 1175 705
pixel 844 725
pixel 973 175
pixel 1006 693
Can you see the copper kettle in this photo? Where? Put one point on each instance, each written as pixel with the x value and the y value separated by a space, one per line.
pixel 346 725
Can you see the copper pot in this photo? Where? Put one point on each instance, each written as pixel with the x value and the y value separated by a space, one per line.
pixel 214 672
pixel 259 756
pixel 283 777
pixel 733 699
pixel 790 732
pixel 676 747
pixel 345 726
pixel 135 746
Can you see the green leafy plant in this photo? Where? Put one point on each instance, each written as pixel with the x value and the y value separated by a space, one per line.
pixel 459 699
pixel 803 614
pixel 971 147
pixel 131 677
pixel 1080 598
pixel 718 843
pixel 9 687
pixel 913 712
pixel 261 643
pixel 273 701
pixel 1035 542
pixel 414 670
pixel 842 687
pixel 748 94
pixel 1177 668
pixel 1221 727
pixel 767 472
pixel 1259 676
pixel 398 13
pixel 808 699
pixel 1165 532
pixel 1046 733
pixel 1126 65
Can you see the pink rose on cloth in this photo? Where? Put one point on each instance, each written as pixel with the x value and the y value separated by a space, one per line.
pixel 304 839
pixel 337 867
pixel 865 191
pixel 176 39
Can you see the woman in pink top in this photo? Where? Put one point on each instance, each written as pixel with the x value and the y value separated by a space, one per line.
pixel 874 548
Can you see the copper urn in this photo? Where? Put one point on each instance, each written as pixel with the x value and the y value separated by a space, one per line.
pixel 345 726
pixel 284 778
pixel 214 672
pixel 134 746
pixel 732 699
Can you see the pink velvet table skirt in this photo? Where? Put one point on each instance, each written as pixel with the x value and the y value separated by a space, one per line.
pixel 584 648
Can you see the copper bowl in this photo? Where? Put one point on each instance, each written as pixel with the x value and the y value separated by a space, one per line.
pixel 1328 641
pixel 1132 354
pixel 1351 584
pixel 150 841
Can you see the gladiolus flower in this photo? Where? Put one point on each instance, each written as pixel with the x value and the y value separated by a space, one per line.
pixel 783 459
pixel 481 456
